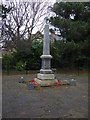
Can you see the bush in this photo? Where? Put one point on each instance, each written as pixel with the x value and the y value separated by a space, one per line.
pixel 6 62
pixel 30 57
pixel 65 55
pixel 33 60
pixel 68 55
pixel 20 66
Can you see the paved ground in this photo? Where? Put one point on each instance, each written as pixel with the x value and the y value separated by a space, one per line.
pixel 46 102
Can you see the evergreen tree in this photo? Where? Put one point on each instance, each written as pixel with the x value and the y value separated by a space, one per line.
pixel 72 19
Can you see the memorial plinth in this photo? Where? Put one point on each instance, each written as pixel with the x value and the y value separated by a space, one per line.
pixel 46 76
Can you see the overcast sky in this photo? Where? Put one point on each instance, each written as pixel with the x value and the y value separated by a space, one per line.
pixel 51 2
pixel 38 27
pixel 5 1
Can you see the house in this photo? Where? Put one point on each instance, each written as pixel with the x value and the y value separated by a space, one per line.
pixel 37 36
pixel 54 36
pixel 8 48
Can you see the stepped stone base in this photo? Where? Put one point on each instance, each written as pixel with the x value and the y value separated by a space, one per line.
pixel 47 82
pixel 45 79
pixel 46 71
pixel 45 76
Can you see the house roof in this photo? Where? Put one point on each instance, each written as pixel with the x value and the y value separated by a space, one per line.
pixel 37 35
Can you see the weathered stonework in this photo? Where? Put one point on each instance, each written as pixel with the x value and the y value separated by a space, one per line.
pixel 46 76
pixel 45 82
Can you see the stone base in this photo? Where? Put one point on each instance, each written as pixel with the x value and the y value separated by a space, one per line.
pixel 45 82
pixel 45 79
pixel 45 76
pixel 46 71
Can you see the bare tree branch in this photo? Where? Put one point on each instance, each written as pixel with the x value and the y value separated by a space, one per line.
pixel 23 18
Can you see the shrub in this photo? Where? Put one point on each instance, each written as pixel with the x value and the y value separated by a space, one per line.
pixel 20 66
pixel 6 60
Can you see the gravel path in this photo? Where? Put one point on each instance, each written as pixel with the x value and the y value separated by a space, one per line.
pixel 45 102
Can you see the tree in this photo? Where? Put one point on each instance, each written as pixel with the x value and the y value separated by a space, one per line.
pixel 20 20
pixel 72 20
pixel 5 11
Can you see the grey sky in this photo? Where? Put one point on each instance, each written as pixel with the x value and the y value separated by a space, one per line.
pixel 37 28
